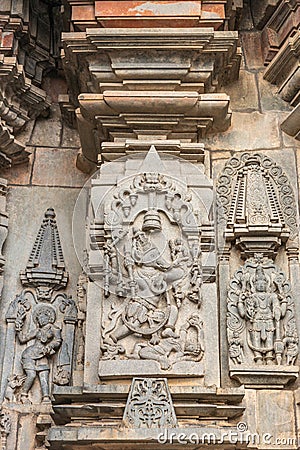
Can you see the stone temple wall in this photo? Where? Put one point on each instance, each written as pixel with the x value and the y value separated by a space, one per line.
pixel 210 371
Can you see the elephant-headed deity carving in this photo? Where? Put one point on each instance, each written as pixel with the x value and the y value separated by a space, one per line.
pixel 260 319
pixel 152 269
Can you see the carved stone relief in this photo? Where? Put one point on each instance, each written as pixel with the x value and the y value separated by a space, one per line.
pixel 148 228
pixel 149 404
pixel 40 321
pixel 155 271
pixel 257 213
pixel 261 316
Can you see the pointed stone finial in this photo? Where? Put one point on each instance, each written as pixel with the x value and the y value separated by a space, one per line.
pixel 152 162
pixel 46 266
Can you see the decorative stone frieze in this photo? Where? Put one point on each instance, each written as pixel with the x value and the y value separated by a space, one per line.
pixel 106 404
pixel 149 404
pixel 256 205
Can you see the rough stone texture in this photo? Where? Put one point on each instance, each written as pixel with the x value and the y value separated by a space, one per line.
pixel 249 131
pixel 243 93
pixel 251 42
pixel 45 168
pixel 88 412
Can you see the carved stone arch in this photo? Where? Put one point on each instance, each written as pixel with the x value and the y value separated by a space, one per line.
pixel 255 198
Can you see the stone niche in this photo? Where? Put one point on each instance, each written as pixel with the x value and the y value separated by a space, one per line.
pixel 152 265
pixel 258 243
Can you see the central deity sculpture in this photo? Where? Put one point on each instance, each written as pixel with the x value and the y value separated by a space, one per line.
pixel 152 273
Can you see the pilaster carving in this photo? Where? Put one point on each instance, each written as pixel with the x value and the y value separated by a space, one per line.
pixel 43 319
pixel 149 404
pixel 257 213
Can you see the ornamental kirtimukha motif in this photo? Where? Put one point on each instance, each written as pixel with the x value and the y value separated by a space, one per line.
pixel 149 404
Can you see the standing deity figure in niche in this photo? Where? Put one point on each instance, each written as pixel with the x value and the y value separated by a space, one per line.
pixel 35 358
pixel 261 315
pixel 263 310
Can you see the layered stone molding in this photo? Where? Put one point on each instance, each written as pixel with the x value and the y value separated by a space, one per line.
pixel 281 44
pixel 29 34
pixel 139 14
pixel 133 82
pixel 177 324
pixel 3 226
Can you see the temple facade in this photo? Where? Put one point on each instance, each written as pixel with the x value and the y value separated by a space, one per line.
pixel 149 224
